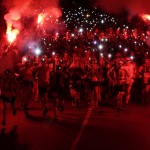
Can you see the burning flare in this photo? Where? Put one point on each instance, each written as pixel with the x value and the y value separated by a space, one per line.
pixel 13 25
pixel 145 17
pixel 12 34
pixel 40 19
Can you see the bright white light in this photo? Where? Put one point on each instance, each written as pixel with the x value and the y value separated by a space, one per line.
pixel 100 46
pixel 43 59
pixel 109 55
pixel 101 54
pixel 131 57
pixel 25 59
pixel 125 49
pixel 53 53
pixel 120 46
pixel 37 51
pixel 95 42
pixel 81 30
pixel 72 34
pixel 87 15
pixel 102 21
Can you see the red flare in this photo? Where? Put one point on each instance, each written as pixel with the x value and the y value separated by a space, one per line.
pixel 145 17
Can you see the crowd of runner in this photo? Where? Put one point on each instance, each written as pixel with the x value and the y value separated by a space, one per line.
pixel 92 61
pixel 76 78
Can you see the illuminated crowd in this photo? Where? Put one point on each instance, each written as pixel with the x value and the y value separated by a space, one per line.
pixel 92 60
pixel 76 78
pixel 103 33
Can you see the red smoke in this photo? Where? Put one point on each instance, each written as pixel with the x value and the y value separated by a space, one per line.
pixel 134 7
pixel 25 8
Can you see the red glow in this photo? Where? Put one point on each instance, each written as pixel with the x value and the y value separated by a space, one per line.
pixel 13 25
pixel 40 19
pixel 11 34
pixel 146 17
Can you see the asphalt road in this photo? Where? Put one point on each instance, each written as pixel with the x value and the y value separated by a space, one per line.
pixel 84 128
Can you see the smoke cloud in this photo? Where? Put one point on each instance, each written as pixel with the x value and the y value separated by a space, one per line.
pixel 18 9
pixel 21 20
pixel 134 7
pixel 26 7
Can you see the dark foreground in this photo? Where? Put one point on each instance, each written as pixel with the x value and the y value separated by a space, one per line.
pixel 78 129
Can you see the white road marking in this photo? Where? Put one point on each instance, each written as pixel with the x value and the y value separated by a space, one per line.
pixel 79 134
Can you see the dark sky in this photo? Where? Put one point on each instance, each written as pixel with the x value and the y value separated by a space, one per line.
pixel 68 3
